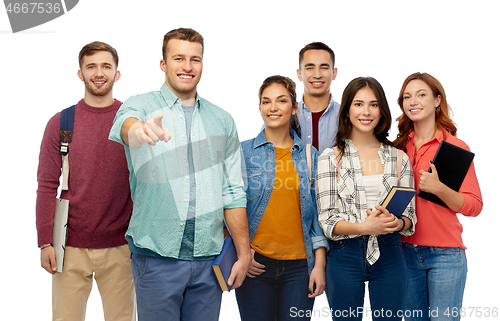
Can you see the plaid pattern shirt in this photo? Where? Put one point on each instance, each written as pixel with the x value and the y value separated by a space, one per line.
pixel 345 198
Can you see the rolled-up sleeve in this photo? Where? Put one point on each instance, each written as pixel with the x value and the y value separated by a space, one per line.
pixel 326 193
pixel 317 235
pixel 131 108
pixel 233 194
pixel 406 179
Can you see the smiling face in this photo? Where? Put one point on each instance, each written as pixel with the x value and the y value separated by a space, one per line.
pixel 99 74
pixel 276 106
pixel 364 112
pixel 419 102
pixel 183 67
pixel 317 72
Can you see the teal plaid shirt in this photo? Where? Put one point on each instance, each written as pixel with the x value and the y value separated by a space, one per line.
pixel 160 179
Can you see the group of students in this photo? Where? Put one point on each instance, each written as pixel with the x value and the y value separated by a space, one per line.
pixel 313 218
pixel 415 271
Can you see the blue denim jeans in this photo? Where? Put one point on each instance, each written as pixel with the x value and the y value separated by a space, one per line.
pixel 280 293
pixel 436 282
pixel 171 289
pixel 347 270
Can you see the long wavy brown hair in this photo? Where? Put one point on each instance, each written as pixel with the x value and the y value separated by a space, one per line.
pixel 381 131
pixel 443 120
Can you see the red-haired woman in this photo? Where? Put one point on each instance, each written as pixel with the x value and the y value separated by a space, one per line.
pixel 435 253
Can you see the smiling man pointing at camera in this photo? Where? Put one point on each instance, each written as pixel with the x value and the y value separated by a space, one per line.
pixel 184 159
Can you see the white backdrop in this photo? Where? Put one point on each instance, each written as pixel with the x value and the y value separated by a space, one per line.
pixel 455 41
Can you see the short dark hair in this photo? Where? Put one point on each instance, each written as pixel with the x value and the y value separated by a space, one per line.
pixel 182 34
pixel 316 46
pixel 93 47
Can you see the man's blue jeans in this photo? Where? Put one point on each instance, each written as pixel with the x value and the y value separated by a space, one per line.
pixel 436 282
pixel 171 289
pixel 280 293
pixel 347 270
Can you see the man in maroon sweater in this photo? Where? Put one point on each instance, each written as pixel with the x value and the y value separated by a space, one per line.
pixel 99 199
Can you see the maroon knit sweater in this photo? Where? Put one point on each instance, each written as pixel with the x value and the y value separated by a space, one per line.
pixel 98 189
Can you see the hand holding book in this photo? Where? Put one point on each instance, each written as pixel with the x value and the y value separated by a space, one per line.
pixel 439 192
pixel 429 180
pixel 223 264
pixel 449 166
pixel 398 199
pixel 378 222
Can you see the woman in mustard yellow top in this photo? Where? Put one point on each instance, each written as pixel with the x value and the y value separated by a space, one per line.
pixel 288 269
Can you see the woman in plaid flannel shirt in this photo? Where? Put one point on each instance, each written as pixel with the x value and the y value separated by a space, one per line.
pixel 364 237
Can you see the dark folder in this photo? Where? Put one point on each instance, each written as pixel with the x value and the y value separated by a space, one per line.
pixel 452 164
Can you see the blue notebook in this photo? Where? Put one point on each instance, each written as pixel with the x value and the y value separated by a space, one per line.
pixel 223 263
pixel 398 199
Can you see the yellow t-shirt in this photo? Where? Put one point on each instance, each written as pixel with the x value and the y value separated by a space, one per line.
pixel 279 235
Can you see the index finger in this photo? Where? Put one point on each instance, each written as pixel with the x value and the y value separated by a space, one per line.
pixel 382 209
pixel 258 265
pixel 158 120
pixel 375 212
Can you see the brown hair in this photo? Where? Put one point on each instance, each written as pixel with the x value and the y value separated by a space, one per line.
pixel 316 46
pixel 93 47
pixel 381 131
pixel 443 120
pixel 290 86
pixel 182 34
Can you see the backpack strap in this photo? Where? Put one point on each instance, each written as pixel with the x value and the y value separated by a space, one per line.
pixel 308 155
pixel 399 165
pixel 337 153
pixel 65 137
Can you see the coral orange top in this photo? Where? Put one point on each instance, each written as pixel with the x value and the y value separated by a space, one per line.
pixel 436 225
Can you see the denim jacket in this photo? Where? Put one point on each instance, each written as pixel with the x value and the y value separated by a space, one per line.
pixel 258 167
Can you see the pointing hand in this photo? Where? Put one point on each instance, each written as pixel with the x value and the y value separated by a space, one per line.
pixel 153 131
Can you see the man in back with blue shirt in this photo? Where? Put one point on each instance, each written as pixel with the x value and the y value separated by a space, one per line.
pixel 185 177
pixel 317 112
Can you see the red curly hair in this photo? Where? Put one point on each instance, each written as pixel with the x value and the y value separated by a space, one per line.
pixel 443 120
